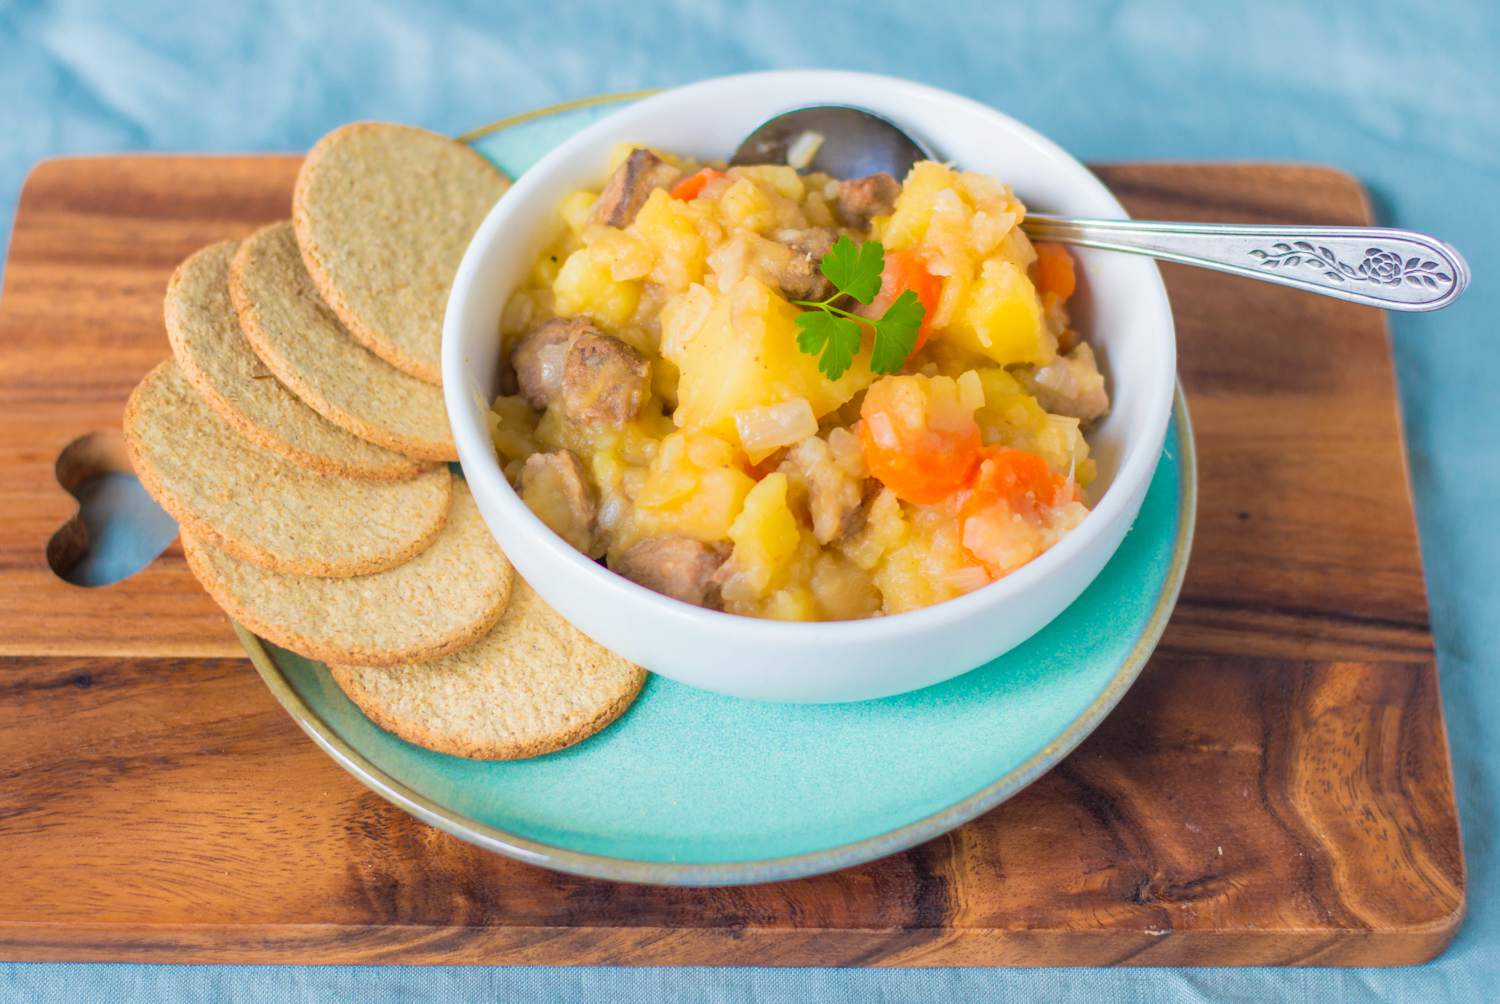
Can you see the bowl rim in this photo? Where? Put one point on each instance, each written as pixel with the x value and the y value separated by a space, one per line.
pixel 482 468
pixel 786 867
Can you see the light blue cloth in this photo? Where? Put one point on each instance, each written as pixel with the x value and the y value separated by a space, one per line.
pixel 1405 95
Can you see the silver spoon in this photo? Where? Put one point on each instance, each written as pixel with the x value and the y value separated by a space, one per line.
pixel 1378 266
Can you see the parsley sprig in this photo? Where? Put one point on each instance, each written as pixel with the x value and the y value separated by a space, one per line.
pixel 834 334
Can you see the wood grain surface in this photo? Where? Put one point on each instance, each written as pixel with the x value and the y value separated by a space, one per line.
pixel 1275 789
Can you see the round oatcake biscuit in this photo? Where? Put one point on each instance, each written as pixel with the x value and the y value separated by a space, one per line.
pixel 298 338
pixel 442 600
pixel 533 685
pixel 215 358
pixel 384 213
pixel 261 507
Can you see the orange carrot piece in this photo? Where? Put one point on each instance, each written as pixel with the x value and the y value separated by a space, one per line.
pixel 692 186
pixel 1019 478
pixel 1054 270
pixel 904 269
pixel 921 457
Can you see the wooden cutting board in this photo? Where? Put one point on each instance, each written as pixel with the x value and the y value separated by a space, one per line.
pixel 1275 790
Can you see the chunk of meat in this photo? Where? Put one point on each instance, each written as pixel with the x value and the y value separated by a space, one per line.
pixel 596 377
pixel 831 472
pixel 679 567
pixel 1071 385
pixel 554 486
pixel 632 183
pixel 539 357
pixel 797 274
pixel 862 199
pixel 604 380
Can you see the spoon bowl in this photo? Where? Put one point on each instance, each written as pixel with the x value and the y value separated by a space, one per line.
pixel 840 140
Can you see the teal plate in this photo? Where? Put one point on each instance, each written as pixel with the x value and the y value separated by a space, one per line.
pixel 692 788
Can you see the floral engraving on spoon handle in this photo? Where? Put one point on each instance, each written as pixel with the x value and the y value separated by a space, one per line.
pixel 1375 266
pixel 1379 266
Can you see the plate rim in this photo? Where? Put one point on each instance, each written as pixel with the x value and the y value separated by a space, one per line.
pixel 547 111
pixel 726 873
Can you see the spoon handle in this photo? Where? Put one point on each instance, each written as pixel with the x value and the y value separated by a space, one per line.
pixel 1394 269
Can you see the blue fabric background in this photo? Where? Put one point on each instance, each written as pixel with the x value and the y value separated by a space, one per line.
pixel 1404 95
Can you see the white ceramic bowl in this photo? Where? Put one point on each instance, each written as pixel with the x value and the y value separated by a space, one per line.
pixel 1122 309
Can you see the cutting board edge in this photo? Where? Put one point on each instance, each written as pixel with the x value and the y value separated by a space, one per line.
pixel 326 944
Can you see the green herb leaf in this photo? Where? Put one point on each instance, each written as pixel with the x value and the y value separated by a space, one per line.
pixel 837 338
pixel 854 268
pixel 896 333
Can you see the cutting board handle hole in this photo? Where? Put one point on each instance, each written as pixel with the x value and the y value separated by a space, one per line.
pixel 117 530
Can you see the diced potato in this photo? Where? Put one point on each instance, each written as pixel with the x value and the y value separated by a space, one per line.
pixel 576 210
pixel 1002 318
pixel 627 254
pixel 555 432
pixel 642 437
pixel 765 536
pixel 551 496
pixel 762 198
pixel 817 208
pixel 682 317
pixel 544 270
pixel 779 178
pixel 744 354
pixel 791 603
pixel 1061 442
pixel 908 224
pixel 513 428
pixel 844 591
pixel 704 514
pixel 927 567
pixel 746 204
pixel 525 309
pixel 693 488
pixel 668 225
pixel 1010 416
pixel 902 580
pixel 941 206
pixel 885 529
pixel 585 286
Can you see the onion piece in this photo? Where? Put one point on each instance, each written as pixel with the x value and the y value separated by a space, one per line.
pixel 970 391
pixel 803 149
pixel 968 578
pixel 767 429
pixel 882 431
